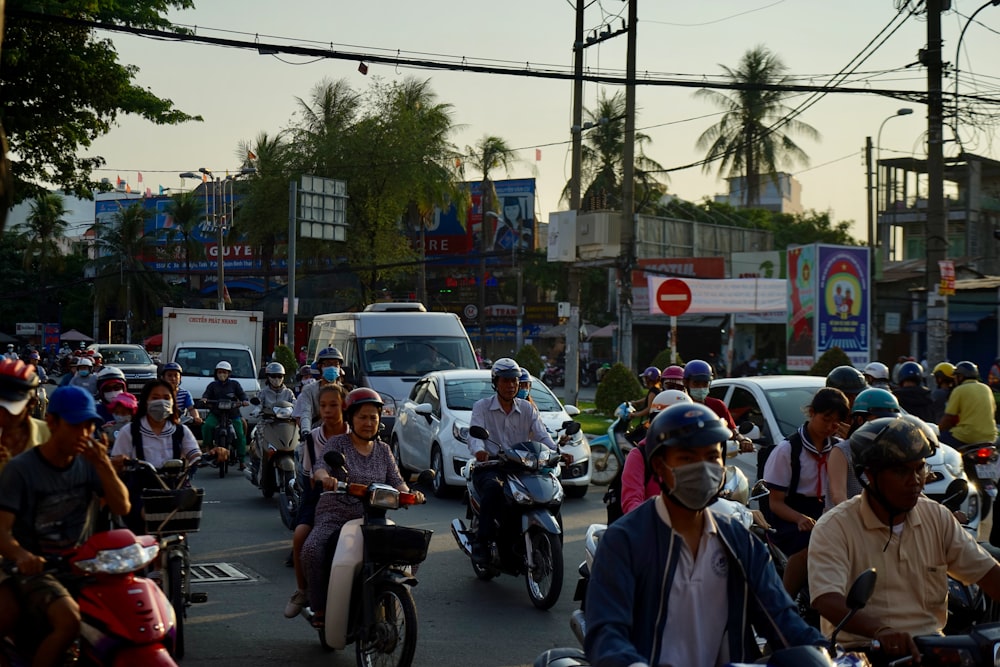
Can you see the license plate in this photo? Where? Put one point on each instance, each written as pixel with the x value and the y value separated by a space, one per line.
pixel 988 470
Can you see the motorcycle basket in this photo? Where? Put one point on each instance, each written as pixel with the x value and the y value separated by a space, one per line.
pixel 158 504
pixel 396 544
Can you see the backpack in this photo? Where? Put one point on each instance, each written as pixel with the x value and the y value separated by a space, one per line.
pixel 795 440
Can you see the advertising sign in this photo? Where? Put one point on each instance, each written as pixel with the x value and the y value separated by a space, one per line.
pixel 512 225
pixel 843 300
pixel 800 332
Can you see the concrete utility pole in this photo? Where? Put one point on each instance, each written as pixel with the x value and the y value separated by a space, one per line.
pixel 937 224
pixel 571 390
pixel 627 260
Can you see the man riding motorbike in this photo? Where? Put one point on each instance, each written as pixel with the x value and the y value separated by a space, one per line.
pixel 172 372
pixel 225 388
pixel 969 416
pixel 509 420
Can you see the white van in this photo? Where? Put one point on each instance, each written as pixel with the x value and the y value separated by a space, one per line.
pixel 390 351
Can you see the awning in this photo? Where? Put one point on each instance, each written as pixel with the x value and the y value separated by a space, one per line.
pixel 960 322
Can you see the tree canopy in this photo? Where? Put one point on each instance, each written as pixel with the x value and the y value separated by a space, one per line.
pixel 62 87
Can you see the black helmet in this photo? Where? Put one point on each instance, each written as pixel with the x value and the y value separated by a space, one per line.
pixel 967 370
pixel 847 379
pixel 891 441
pixel 685 425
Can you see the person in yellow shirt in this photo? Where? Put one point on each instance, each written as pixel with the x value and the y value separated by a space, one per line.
pixel 969 415
pixel 19 431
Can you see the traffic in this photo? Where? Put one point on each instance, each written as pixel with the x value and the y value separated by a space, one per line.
pixel 732 517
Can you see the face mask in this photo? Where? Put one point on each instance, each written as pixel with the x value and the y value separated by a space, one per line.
pixel 699 394
pixel 696 484
pixel 160 409
pixel 274 382
pixel 522 393
pixel 110 395
pixel 331 373
pixel 83 373
pixel 121 419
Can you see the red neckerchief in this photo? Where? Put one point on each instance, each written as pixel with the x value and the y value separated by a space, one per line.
pixel 820 458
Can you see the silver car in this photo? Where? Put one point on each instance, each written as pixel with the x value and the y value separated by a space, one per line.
pixel 432 428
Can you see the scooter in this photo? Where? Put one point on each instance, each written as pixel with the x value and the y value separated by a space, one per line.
pixel 224 434
pixel 272 456
pixel 125 620
pixel 531 545
pixel 368 599
pixel 608 452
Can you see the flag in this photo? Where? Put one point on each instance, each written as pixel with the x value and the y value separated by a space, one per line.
pixel 251 156
pixel 225 294
pixel 140 177
pixel 149 192
pixel 204 178
pixel 118 181
pixel 538 154
pixel 363 68
pixel 162 189
pixel 458 163
pixel 128 189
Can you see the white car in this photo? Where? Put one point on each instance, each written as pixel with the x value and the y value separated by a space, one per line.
pixel 432 428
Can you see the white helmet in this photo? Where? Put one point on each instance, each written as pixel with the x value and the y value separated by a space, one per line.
pixel 505 368
pixel 224 366
pixel 665 399
pixel 85 361
pixel 877 370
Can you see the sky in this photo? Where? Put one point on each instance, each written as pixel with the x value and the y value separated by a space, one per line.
pixel 241 93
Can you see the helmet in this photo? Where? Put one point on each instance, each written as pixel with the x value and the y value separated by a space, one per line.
pixel 110 374
pixel 875 401
pixel 665 399
pixel 34 356
pixel 877 370
pixel 847 379
pixel 651 374
pixel 123 400
pixel 911 370
pixel 224 366
pixel 330 353
pixel 171 366
pixel 944 368
pixel 685 425
pixel 18 381
pixel 274 368
pixel 97 355
pixel 524 376
pixel 85 361
pixel 967 370
pixel 305 370
pixel 889 441
pixel 505 367
pixel 698 370
pixel 672 373
pixel 361 396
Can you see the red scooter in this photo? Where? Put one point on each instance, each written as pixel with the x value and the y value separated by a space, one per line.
pixel 125 620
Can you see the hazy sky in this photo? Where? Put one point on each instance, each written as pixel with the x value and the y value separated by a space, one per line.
pixel 240 93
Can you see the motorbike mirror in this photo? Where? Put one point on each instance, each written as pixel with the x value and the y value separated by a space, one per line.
pixel 759 490
pixel 335 460
pixel 857 597
pixel 347 375
pixel 571 427
pixel 479 432
pixel 955 494
pixel 746 427
pixel 255 401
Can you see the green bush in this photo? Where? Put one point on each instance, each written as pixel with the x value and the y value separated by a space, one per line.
pixel 831 359
pixel 619 384
pixel 286 358
pixel 528 357
pixel 662 359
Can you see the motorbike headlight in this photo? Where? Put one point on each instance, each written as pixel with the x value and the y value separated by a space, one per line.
pixel 518 492
pixel 120 561
pixel 952 461
pixel 460 432
pixel 283 413
pixel 384 497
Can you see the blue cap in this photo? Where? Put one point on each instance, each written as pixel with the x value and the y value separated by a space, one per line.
pixel 73 405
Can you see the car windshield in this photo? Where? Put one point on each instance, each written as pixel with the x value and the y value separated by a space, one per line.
pixel 462 394
pixel 414 355
pixel 125 356
pixel 788 404
pixel 201 361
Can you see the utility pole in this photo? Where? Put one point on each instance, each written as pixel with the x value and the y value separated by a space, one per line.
pixel 627 258
pixel 871 242
pixel 937 224
pixel 571 389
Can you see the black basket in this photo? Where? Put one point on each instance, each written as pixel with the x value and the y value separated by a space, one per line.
pixel 396 544
pixel 158 504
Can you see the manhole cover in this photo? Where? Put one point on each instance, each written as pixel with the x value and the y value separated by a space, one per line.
pixel 217 573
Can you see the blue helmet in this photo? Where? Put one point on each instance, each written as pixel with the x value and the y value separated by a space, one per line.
pixel 330 353
pixel 171 366
pixel 685 425
pixel 877 402
pixel 651 374
pixel 911 370
pixel 524 377
pixel 698 370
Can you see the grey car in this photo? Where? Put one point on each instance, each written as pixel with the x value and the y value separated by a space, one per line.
pixel 132 360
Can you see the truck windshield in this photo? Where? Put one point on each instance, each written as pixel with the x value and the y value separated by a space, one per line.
pixel 201 361
pixel 414 355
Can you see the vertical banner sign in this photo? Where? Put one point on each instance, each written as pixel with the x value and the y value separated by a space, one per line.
pixel 844 303
pixel 800 330
pixel 947 287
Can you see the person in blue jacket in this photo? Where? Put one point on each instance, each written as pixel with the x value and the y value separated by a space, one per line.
pixel 668 571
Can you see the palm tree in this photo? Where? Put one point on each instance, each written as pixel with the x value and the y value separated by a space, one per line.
pixel 46 226
pixel 750 139
pixel 601 166
pixel 187 211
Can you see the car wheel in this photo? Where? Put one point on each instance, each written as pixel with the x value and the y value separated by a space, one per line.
pixel 394 447
pixel 438 485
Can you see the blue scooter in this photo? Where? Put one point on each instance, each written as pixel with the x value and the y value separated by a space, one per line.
pixel 608 452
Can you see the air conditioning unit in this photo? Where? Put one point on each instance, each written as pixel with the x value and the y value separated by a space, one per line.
pixel 598 234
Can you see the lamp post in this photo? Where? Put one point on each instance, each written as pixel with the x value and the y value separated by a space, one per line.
pixel 905 111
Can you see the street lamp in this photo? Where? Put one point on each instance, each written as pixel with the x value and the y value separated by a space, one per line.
pixel 905 111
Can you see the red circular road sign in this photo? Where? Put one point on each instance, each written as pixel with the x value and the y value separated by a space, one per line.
pixel 673 297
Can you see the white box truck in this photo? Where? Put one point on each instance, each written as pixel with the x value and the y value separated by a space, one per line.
pixel 198 339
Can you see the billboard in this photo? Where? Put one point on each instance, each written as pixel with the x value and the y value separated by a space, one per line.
pixel 512 227
pixel 800 331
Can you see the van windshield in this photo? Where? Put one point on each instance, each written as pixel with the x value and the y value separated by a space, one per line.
pixel 201 361
pixel 414 355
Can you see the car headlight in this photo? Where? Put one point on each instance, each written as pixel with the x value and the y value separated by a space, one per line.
pixel 460 432
pixel 388 406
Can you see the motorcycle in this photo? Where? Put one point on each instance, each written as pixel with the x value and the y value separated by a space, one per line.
pixel 554 376
pixel 531 545
pixel 608 452
pixel 224 434
pixel 368 595
pixel 124 619
pixel 981 462
pixel 272 457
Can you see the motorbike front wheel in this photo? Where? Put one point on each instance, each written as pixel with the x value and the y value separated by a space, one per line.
pixel 174 586
pixel 221 441
pixel 585 379
pixel 604 465
pixel 392 639
pixel 288 500
pixel 546 577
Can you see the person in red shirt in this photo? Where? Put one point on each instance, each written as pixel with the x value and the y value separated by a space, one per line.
pixel 698 377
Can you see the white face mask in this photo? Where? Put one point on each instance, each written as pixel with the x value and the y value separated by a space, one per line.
pixel 121 419
pixel 160 409
pixel 699 394
pixel 110 395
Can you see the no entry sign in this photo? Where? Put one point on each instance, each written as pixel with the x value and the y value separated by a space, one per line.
pixel 673 297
